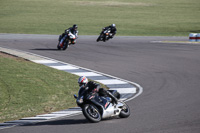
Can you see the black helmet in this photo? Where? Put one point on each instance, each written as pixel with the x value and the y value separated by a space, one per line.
pixel 75 26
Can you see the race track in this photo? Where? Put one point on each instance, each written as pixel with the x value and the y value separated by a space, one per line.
pixel 168 72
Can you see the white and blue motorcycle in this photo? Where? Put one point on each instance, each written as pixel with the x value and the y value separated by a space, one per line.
pixel 95 108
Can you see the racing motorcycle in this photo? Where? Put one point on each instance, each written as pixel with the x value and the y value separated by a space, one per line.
pixel 65 40
pixel 105 35
pixel 95 108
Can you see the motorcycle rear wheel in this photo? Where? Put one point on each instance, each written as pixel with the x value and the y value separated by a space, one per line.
pixel 91 112
pixel 125 112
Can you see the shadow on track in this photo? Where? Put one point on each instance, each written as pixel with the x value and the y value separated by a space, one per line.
pixel 45 49
pixel 66 122
pixel 60 122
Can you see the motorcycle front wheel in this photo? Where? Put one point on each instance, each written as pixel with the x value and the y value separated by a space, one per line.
pixel 99 38
pixel 66 45
pixel 125 112
pixel 91 112
pixel 58 46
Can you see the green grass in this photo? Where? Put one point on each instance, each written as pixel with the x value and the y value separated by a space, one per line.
pixel 28 89
pixel 132 17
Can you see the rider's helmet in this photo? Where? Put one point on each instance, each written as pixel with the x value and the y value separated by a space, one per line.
pixel 75 27
pixel 82 81
pixel 113 25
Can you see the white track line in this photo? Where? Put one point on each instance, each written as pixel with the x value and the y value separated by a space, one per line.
pixel 111 81
pixel 87 74
pixel 67 67
pixel 43 61
pixel 123 90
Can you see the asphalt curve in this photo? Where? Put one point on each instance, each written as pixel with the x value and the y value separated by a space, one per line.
pixel 168 72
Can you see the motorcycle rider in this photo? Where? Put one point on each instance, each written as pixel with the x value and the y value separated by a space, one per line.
pixel 112 29
pixel 72 30
pixel 94 88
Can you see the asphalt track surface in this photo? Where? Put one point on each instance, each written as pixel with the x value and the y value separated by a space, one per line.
pixel 168 72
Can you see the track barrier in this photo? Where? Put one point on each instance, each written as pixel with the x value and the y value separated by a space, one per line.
pixel 194 37
pixel 198 37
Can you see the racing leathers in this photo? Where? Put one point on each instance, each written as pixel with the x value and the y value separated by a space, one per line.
pixel 94 88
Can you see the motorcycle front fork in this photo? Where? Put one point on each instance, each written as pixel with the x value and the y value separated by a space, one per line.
pixel 61 41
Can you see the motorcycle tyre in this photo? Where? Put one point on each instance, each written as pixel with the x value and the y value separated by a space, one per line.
pixel 66 45
pixel 104 39
pixel 99 38
pixel 90 118
pixel 58 47
pixel 125 114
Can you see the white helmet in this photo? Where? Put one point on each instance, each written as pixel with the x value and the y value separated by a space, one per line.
pixel 82 81
pixel 113 25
